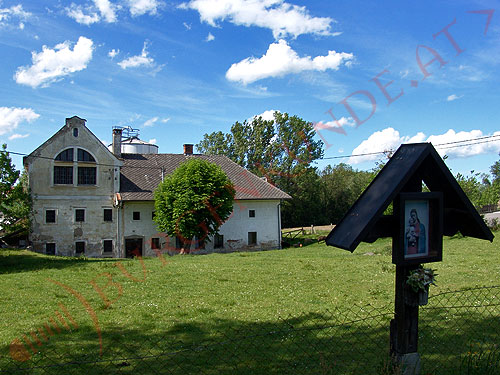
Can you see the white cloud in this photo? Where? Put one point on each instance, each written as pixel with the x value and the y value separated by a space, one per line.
pixel 21 26
pixel 15 11
pixel 152 121
pixel 140 7
pixel 266 115
pixel 52 64
pixel 187 25
pixel 113 53
pixel 390 139
pixel 209 37
pixel 107 10
pixel 466 150
pixel 453 97
pixel 280 17
pixel 18 136
pixel 85 17
pixel 11 117
pixel 90 15
pixel 152 141
pixel 136 61
pixel 279 60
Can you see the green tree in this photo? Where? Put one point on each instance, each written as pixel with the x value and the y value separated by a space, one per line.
pixel 283 150
pixel 194 201
pixel 15 201
pixel 341 186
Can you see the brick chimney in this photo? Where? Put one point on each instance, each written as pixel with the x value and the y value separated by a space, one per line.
pixel 117 142
pixel 188 149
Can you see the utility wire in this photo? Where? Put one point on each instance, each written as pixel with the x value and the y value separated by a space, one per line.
pixel 456 144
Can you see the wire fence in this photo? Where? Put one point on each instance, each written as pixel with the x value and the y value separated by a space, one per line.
pixel 452 327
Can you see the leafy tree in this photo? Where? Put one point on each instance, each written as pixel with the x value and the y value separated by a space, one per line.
pixel 194 201
pixel 15 201
pixel 277 149
pixel 341 187
pixel 282 150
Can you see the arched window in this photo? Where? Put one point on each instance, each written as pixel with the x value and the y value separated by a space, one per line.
pixel 85 164
pixel 85 156
pixel 86 173
pixel 63 174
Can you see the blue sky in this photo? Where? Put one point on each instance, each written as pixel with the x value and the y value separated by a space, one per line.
pixel 370 75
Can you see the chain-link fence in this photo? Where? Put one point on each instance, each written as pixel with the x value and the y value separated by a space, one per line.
pixel 354 341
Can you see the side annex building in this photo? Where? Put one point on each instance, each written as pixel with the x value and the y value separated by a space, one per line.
pixel 98 202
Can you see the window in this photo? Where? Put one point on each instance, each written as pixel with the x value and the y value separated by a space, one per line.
pixel 75 132
pixel 218 241
pixel 79 247
pixel 86 175
pixel 107 246
pixel 50 216
pixel 50 248
pixel 63 175
pixel 136 215
pixel 252 238
pixel 85 156
pixel 80 215
pixel 155 243
pixel 108 214
pixel 66 155
pixel 251 213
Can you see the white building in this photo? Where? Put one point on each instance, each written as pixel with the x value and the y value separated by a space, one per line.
pixel 88 200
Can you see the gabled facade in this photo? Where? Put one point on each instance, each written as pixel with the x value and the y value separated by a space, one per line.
pixel 90 201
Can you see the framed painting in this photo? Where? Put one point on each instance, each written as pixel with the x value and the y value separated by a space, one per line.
pixel 420 228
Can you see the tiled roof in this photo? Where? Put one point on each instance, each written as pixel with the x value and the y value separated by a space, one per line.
pixel 141 174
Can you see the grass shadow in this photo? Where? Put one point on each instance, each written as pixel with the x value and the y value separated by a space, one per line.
pixel 16 261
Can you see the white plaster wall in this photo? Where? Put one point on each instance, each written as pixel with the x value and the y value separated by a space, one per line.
pixel 235 229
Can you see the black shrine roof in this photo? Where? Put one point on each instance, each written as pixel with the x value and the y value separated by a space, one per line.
pixel 410 164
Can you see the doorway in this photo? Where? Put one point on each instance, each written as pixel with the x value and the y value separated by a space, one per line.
pixel 133 247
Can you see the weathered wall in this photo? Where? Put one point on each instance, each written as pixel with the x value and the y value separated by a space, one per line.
pixel 235 229
pixel 66 198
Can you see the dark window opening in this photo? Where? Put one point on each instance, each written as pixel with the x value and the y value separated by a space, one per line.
pixel 85 156
pixel 133 247
pixel 155 243
pixel 136 215
pixel 75 132
pixel 107 246
pixel 79 215
pixel 63 175
pixel 79 247
pixel 108 214
pixel 218 241
pixel 252 238
pixel 66 155
pixel 50 248
pixel 251 213
pixel 50 216
pixel 86 175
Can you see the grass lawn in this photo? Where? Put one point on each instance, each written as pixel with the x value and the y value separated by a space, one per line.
pixel 193 297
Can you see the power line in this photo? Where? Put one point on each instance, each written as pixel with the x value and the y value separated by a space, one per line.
pixel 456 144
pixel 439 145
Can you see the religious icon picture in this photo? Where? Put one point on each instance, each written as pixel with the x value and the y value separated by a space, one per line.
pixel 417 223
pixel 420 217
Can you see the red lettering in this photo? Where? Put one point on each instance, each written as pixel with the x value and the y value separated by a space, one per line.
pixel 382 88
pixel 489 12
pixel 437 56
pixel 450 38
pixel 128 275
pixel 351 111
pixel 110 282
